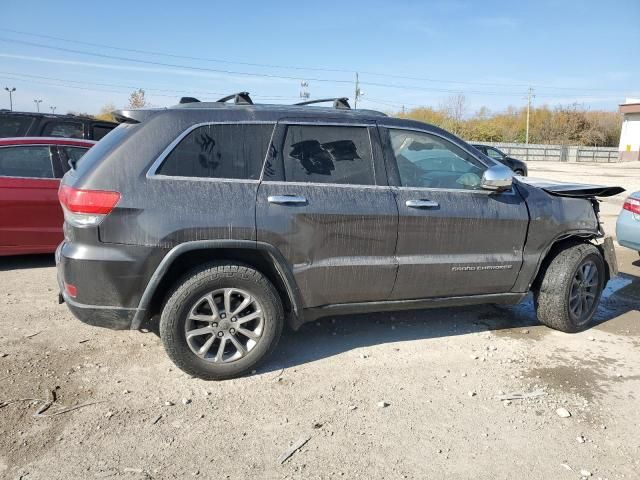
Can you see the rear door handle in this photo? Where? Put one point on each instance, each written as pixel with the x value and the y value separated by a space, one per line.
pixel 286 199
pixel 422 204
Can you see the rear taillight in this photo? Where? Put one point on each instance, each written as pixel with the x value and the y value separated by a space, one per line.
pixel 86 207
pixel 632 204
pixel 71 289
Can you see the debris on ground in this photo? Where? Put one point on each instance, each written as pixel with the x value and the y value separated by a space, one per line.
pixel 563 412
pixel 522 395
pixel 383 404
pixel 47 404
pixel 293 449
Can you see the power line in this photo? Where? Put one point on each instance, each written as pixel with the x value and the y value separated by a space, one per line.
pixel 132 87
pixel 92 89
pixel 266 75
pixel 293 67
pixel 171 65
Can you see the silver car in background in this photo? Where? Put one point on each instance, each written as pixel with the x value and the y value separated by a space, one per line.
pixel 628 225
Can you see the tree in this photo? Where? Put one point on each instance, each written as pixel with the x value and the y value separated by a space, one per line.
pixel 106 114
pixel 567 125
pixel 137 99
pixel 455 107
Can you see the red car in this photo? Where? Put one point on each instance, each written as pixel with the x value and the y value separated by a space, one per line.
pixel 30 171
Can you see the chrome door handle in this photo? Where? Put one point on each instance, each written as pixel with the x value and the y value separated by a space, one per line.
pixel 286 199
pixel 422 204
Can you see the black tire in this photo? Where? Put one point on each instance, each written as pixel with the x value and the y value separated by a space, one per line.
pixel 552 297
pixel 198 283
pixel 519 172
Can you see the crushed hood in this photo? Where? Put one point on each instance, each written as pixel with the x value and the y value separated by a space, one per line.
pixel 563 189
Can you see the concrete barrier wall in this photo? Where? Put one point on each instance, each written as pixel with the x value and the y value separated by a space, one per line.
pixel 557 153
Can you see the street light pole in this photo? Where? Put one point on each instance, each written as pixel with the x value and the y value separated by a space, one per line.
pixel 37 102
pixel 53 109
pixel 10 90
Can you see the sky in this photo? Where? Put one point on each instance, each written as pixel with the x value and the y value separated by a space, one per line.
pixel 81 56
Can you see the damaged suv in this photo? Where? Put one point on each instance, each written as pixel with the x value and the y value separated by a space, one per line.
pixel 229 220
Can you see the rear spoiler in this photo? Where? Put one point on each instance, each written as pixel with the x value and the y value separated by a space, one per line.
pixel 579 190
pixel 133 116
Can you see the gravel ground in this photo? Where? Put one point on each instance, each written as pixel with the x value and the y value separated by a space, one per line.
pixel 394 395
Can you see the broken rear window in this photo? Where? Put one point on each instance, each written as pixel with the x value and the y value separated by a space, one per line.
pixel 220 151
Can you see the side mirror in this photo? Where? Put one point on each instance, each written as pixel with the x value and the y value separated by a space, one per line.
pixel 497 178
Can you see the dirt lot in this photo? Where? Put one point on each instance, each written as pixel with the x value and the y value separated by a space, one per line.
pixel 438 372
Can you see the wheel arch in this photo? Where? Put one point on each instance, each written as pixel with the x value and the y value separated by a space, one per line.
pixel 182 258
pixel 562 242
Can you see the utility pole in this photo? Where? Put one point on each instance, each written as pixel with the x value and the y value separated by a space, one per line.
pixel 530 96
pixel 304 90
pixel 53 109
pixel 358 93
pixel 10 90
pixel 37 102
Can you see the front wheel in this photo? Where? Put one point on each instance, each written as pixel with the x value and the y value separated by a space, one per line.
pixel 221 321
pixel 570 288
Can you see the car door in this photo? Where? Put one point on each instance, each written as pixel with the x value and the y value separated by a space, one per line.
pixel 454 239
pixel 324 203
pixel 31 217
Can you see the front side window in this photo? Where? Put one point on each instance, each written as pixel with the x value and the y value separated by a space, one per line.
pixel 71 155
pixel 495 154
pixel 328 154
pixel 63 129
pixel 429 161
pixel 220 151
pixel 26 161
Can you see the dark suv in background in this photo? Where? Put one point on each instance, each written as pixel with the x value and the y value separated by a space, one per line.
pixel 230 220
pixel 518 166
pixel 24 124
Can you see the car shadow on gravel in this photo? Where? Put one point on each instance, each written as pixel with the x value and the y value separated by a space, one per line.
pixel 20 262
pixel 336 335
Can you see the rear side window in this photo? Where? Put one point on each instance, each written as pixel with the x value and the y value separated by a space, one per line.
pixel 220 151
pixel 26 161
pixel 63 129
pixel 100 131
pixel 328 154
pixel 14 125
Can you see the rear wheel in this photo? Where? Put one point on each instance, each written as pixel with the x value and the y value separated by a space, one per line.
pixel 519 172
pixel 221 321
pixel 570 289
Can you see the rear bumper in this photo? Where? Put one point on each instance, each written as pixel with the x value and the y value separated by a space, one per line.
pixel 115 318
pixel 109 279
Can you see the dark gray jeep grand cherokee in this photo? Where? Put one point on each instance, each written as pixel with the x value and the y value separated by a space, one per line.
pixel 229 220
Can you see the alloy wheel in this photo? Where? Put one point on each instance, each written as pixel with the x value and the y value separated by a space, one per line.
pixel 584 291
pixel 224 325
